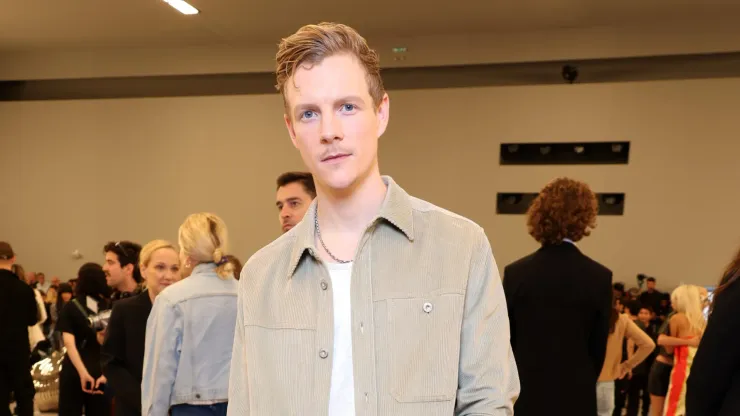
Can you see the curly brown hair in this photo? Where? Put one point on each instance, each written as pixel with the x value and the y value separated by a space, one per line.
pixel 565 208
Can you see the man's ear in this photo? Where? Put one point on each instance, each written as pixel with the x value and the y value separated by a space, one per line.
pixel 129 268
pixel 384 113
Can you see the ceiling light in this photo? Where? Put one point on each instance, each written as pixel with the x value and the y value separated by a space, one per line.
pixel 182 6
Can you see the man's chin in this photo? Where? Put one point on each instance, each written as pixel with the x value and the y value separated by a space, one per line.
pixel 287 227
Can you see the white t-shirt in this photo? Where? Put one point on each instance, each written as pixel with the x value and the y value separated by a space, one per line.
pixel 342 394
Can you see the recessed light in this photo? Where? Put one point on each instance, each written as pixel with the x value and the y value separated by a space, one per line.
pixel 182 6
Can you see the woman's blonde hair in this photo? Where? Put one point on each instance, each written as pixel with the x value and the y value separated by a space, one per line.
pixel 686 299
pixel 204 238
pixel 146 252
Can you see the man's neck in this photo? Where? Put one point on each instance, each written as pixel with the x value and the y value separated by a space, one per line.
pixel 6 266
pixel 129 285
pixel 352 210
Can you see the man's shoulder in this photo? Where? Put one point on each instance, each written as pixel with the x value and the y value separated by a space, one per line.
pixel 516 265
pixel 130 302
pixel 597 268
pixel 428 215
pixel 273 255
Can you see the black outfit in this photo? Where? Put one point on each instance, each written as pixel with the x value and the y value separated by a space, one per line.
pixel 637 389
pixel 559 303
pixel 659 377
pixel 118 295
pixel 621 387
pixel 72 399
pixel 713 387
pixel 123 352
pixel 18 311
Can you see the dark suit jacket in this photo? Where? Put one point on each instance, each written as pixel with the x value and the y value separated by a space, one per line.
pixel 123 352
pixel 18 311
pixel 559 303
pixel 713 387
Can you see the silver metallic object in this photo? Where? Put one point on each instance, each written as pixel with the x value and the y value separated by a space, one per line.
pixel 100 321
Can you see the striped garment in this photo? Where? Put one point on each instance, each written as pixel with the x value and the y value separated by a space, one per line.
pixel 675 403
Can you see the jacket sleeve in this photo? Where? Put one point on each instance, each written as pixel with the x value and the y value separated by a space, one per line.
pixel 717 361
pixel 161 357
pixel 488 382
pixel 600 332
pixel 238 375
pixel 113 352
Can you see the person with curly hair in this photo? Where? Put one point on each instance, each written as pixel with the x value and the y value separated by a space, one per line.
pixel 560 305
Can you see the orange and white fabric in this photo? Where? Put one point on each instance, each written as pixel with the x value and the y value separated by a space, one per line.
pixel 675 402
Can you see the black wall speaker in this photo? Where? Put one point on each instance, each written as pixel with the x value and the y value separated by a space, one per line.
pixel 518 203
pixel 575 153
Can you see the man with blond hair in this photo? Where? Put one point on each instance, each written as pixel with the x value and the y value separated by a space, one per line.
pixel 378 303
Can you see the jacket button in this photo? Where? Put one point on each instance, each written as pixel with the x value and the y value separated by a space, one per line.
pixel 324 285
pixel 427 307
pixel 197 396
pixel 323 354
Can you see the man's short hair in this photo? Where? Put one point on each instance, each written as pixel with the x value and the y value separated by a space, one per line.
pixel 651 279
pixel 304 178
pixel 6 251
pixel 128 253
pixel 565 208
pixel 311 44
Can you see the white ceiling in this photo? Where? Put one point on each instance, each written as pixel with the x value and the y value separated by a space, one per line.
pixel 46 24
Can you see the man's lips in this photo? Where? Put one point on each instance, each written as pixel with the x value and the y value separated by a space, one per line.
pixel 335 157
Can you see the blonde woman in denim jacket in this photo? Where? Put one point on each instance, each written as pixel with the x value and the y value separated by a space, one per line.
pixel 190 331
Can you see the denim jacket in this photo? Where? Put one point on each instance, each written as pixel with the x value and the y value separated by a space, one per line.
pixel 189 338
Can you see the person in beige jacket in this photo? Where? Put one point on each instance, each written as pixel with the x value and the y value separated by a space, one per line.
pixel 622 327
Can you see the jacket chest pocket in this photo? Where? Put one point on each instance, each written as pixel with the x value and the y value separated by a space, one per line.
pixel 424 338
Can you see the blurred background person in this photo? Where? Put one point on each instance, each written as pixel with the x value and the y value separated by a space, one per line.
pixel 121 269
pixel 621 328
pixel 183 374
pixel 713 388
pixel 575 319
pixel 686 324
pixel 35 332
pixel 123 349
pixel 637 391
pixel 81 381
pixel 41 283
pixel 64 295
pixel 18 311
pixel 295 192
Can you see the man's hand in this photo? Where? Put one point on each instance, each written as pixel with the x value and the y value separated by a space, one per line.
pixel 87 382
pixel 98 383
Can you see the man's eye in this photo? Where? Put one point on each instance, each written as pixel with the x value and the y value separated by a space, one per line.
pixel 306 115
pixel 348 107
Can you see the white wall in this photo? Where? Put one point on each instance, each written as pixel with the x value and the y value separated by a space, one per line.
pixel 80 173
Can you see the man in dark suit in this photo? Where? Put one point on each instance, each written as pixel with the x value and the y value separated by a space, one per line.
pixel 18 311
pixel 123 352
pixel 559 303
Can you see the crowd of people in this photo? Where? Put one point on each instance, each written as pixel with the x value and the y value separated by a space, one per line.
pixel 371 302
